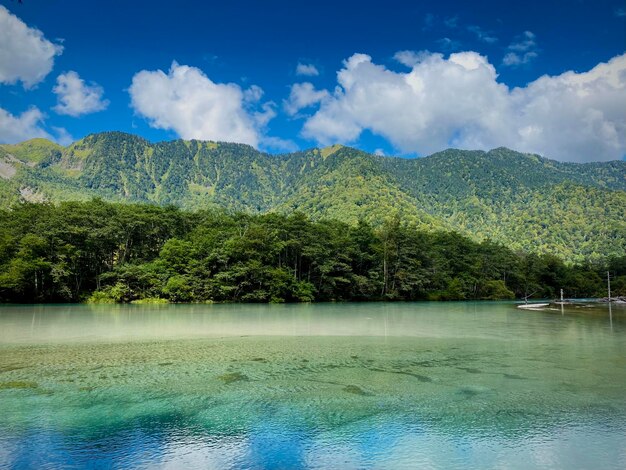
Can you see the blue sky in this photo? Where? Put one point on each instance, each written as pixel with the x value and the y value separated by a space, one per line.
pixel 413 78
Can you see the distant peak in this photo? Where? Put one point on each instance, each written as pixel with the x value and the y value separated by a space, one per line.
pixel 120 134
pixel 328 151
pixel 502 149
pixel 38 142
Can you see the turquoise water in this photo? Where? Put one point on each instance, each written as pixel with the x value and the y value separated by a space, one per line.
pixel 375 385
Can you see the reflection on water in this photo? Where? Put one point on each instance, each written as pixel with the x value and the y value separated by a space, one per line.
pixel 89 323
pixel 406 385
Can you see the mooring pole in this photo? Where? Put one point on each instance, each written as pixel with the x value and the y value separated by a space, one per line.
pixel 608 283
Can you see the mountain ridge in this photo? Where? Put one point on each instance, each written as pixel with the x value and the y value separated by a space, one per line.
pixel 574 210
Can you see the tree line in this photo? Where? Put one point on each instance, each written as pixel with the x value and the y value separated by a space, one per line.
pixel 107 252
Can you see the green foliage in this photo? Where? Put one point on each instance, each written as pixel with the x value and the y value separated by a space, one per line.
pixel 497 290
pixel 529 203
pixel 178 288
pixel 110 252
pixel 105 296
pixel 150 300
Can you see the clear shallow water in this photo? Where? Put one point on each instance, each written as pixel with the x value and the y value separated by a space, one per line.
pixel 404 385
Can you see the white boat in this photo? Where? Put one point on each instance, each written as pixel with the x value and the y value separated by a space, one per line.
pixel 531 306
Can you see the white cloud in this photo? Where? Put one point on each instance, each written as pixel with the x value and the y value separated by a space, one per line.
pixel 277 144
pixel 63 136
pixel 253 94
pixel 458 102
pixel 23 127
pixel 410 58
pixel 620 12
pixel 303 95
pixel 267 113
pixel 75 97
pixel 25 54
pixel 513 59
pixel 522 51
pixel 524 43
pixel 308 70
pixel 187 101
pixel 28 125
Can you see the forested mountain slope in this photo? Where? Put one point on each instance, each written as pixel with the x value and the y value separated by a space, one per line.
pixel 576 211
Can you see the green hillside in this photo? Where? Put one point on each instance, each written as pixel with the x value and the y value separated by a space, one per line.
pixel 527 202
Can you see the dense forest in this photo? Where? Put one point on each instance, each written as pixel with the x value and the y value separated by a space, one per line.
pixel 110 252
pixel 529 203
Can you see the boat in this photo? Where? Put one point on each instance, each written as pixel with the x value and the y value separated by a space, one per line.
pixel 535 305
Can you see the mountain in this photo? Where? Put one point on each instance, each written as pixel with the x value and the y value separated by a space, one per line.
pixel 576 211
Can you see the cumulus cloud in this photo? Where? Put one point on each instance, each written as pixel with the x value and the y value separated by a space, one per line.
pixel 524 43
pixel 308 70
pixel 522 51
pixel 75 97
pixel 186 101
pixel 410 58
pixel 303 95
pixel 513 59
pixel 28 125
pixel 265 115
pixel 25 54
pixel 253 94
pixel 19 128
pixel 458 102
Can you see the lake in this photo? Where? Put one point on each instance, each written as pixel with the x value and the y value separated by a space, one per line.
pixel 462 385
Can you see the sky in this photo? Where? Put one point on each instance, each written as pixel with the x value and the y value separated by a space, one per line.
pixel 393 78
